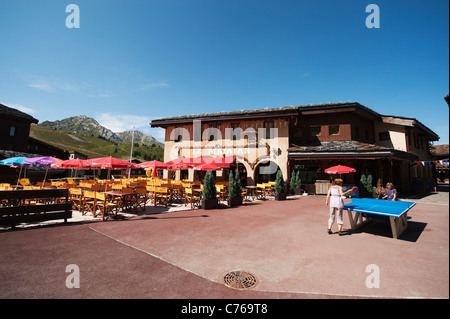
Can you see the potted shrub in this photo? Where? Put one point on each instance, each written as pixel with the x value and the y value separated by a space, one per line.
pixel 234 190
pixel 295 183
pixel 209 194
pixel 366 189
pixel 280 187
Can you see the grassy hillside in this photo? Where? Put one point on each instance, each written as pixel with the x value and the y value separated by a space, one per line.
pixel 94 146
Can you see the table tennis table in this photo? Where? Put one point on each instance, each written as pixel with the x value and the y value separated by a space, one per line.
pixel 367 208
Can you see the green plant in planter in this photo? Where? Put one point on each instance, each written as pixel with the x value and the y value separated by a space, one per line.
pixel 298 180
pixel 295 183
pixel 234 190
pixel 209 187
pixel 232 185
pixel 366 182
pixel 238 184
pixel 280 187
pixel 209 198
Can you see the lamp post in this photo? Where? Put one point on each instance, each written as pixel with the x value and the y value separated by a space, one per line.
pixel 131 152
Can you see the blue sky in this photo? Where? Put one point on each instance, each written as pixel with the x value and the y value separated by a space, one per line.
pixel 133 61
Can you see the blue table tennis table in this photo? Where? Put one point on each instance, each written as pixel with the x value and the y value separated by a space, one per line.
pixel 367 208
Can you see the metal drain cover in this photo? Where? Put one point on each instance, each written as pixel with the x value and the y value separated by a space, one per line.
pixel 240 280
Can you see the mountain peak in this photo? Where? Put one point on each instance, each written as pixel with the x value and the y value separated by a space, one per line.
pixel 84 125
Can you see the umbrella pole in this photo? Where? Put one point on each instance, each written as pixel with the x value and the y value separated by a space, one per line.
pixel 107 178
pixel 45 176
pixel 20 172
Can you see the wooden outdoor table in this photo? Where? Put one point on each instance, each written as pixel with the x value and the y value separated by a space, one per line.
pixel 253 190
pixel 123 196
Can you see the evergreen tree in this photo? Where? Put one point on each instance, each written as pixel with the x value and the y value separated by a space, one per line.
pixel 293 181
pixel 232 185
pixel 298 180
pixel 279 183
pixel 238 184
pixel 209 188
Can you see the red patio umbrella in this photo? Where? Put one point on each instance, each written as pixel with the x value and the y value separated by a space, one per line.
pixel 210 167
pixel 109 163
pixel 152 165
pixel 340 169
pixel 192 161
pixel 73 163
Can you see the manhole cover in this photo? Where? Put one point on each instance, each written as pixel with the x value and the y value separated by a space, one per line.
pixel 240 280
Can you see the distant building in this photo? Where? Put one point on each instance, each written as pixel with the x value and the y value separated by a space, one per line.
pixel 15 141
pixel 308 139
pixel 14 129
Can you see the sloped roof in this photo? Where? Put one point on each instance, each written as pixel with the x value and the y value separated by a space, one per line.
pixel 440 151
pixel 9 112
pixel 285 110
pixel 346 148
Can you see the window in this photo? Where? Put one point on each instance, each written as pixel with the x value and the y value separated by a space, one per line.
pixel 12 131
pixel 269 125
pixel 384 136
pixel 235 133
pixel 333 130
pixel 177 137
pixel 315 130
pixel 212 132
pixel 298 132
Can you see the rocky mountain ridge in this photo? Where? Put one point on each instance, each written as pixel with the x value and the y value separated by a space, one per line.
pixel 88 126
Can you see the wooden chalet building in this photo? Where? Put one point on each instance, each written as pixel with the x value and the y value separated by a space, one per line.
pixel 307 138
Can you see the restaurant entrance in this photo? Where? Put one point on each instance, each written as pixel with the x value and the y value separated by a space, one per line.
pixel 266 171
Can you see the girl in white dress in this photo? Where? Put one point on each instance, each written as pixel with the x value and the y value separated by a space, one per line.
pixel 336 204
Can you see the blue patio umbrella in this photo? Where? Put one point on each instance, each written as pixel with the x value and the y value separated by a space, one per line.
pixel 14 161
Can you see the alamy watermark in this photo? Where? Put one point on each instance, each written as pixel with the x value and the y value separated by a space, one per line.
pixel 373 19
pixel 253 145
pixel 73 19
pixel 373 279
pixel 73 279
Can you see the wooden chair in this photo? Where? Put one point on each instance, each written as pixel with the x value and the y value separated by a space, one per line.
pixel 127 202
pixel 96 187
pixel 25 182
pixel 117 187
pixel 177 192
pixel 244 193
pixel 140 198
pixel 261 191
pixel 105 205
pixel 220 192
pixel 191 198
pixel 69 185
pixel 77 199
pixel 151 194
pixel 44 184
pixel 5 186
pixel 268 189
pixel 90 202
pixel 162 196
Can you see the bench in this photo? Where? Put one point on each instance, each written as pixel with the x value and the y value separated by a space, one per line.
pixel 27 206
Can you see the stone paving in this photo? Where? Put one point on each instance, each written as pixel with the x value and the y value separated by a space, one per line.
pixel 284 244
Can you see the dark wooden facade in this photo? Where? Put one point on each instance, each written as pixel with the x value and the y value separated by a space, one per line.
pixel 14 129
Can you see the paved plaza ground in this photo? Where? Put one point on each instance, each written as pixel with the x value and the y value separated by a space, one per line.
pixel 177 253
